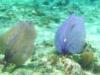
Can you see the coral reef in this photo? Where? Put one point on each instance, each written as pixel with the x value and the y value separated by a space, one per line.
pixel 47 15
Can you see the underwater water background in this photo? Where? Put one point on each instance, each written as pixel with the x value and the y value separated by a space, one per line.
pixel 47 16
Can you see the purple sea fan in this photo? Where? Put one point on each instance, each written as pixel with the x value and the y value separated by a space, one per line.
pixel 70 36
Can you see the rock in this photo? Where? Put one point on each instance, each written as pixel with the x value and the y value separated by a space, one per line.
pixel 72 68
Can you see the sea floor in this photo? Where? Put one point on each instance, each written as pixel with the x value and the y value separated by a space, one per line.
pixel 47 17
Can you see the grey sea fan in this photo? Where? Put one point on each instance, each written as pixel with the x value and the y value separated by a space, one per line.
pixel 20 42
pixel 70 36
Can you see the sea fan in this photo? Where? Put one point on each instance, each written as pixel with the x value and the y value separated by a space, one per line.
pixel 70 36
pixel 19 42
